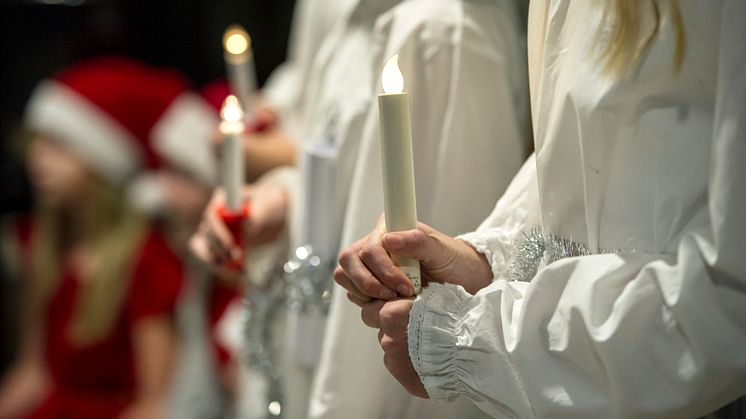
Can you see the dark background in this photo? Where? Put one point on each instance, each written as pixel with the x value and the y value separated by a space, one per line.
pixel 39 38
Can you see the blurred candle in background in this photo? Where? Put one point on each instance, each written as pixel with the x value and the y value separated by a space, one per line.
pixel 239 62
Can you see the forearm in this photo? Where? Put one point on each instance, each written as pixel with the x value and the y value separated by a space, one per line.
pixel 23 388
pixel 660 340
pixel 266 152
pixel 155 345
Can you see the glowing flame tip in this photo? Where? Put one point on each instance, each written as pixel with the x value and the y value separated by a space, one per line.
pixel 236 40
pixel 391 78
pixel 231 110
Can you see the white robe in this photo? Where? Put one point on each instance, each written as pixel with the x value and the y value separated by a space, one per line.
pixel 312 22
pixel 285 91
pixel 647 174
pixel 464 67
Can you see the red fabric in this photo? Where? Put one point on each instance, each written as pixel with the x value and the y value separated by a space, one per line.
pixel 98 380
pixel 215 92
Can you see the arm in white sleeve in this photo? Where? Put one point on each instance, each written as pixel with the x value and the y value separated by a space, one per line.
pixel 638 335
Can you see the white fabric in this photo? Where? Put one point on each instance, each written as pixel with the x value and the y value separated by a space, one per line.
pixel 183 136
pixel 463 67
pixel 58 110
pixel 146 193
pixel 651 165
pixel 312 22
pixel 195 392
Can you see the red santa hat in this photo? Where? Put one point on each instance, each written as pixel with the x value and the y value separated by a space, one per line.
pixel 123 117
pixel 96 108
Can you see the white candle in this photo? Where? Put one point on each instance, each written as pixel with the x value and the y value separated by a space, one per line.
pixel 239 61
pixel 320 222
pixel 396 161
pixel 232 127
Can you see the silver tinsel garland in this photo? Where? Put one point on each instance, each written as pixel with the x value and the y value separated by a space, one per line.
pixel 538 248
pixel 304 284
pixel 309 282
pixel 263 304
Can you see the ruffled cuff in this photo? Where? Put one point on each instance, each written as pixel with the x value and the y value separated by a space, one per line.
pixel 434 324
pixel 456 345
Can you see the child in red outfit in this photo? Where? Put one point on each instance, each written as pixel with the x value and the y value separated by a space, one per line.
pixel 98 338
pixel 99 380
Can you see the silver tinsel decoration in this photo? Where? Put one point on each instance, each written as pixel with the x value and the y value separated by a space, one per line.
pixel 263 304
pixel 308 281
pixel 304 284
pixel 539 248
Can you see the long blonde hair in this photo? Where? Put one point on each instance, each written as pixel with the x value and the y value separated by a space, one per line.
pixel 117 233
pixel 627 42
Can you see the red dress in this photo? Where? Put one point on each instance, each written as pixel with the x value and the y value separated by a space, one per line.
pixel 98 380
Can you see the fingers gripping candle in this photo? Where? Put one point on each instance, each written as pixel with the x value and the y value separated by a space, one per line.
pixel 239 61
pixel 396 162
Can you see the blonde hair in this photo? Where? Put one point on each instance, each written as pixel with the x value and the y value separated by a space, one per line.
pixel 117 233
pixel 627 43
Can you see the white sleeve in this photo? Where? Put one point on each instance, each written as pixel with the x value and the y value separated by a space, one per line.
pixel 639 335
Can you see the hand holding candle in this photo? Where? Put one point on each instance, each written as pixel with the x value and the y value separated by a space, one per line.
pixel 232 127
pixel 397 163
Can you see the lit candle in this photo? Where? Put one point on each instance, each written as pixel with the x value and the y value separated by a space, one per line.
pixel 232 127
pixel 239 61
pixel 399 199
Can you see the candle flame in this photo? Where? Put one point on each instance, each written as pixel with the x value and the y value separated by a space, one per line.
pixel 391 78
pixel 236 40
pixel 232 116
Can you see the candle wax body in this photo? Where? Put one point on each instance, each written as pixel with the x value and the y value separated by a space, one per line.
pixel 233 170
pixel 398 175
pixel 242 79
pixel 320 223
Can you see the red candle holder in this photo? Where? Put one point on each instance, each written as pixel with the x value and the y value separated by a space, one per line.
pixel 234 221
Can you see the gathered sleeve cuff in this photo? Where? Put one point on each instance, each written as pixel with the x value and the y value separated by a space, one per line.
pixel 445 349
pixel 432 340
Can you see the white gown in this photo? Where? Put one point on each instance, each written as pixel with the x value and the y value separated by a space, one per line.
pixel 638 308
pixel 464 67
pixel 285 90
pixel 312 22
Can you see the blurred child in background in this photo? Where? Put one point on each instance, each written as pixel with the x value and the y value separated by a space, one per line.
pixel 98 336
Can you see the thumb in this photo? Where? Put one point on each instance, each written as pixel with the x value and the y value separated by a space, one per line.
pixel 422 244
